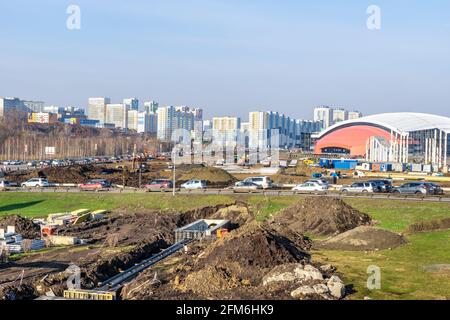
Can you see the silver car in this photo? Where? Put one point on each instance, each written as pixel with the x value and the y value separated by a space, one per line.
pixel 414 188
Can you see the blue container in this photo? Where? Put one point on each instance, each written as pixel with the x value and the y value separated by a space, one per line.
pixel 345 164
pixel 325 163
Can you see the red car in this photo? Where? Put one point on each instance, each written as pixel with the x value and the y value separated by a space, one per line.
pixel 98 184
pixel 159 185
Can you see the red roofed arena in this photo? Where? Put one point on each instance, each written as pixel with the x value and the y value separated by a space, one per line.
pixel 389 137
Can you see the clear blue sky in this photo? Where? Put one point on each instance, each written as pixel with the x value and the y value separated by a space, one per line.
pixel 230 56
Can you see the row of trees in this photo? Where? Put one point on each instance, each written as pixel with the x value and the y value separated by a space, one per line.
pixel 22 141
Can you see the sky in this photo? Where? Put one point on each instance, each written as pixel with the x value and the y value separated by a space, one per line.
pixel 230 57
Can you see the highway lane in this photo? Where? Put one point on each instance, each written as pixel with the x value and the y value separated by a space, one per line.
pixel 271 193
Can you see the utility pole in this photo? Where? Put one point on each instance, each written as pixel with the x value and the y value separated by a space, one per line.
pixel 140 176
pixel 174 170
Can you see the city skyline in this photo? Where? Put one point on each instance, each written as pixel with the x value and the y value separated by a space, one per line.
pixel 193 54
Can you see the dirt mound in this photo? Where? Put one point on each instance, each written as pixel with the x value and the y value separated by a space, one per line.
pixel 17 292
pixel 214 176
pixel 321 216
pixel 217 279
pixel 128 228
pixel 428 226
pixel 238 214
pixel 24 226
pixel 71 174
pixel 252 250
pixel 363 238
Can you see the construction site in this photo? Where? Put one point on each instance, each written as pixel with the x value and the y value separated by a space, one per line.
pixel 219 252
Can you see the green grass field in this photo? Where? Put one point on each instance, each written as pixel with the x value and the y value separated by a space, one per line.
pixel 403 269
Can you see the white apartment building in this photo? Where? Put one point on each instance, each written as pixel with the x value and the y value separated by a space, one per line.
pixel 117 114
pixel 354 115
pixel 133 120
pixel 226 123
pixel 325 115
pixel 225 130
pixel 142 121
pixel 97 108
pixel 171 118
pixel 339 115
pixel 35 106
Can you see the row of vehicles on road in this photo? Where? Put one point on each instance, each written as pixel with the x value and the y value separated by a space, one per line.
pixel 247 185
pixel 386 186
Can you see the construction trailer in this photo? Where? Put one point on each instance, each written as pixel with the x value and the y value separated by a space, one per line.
pixel 202 229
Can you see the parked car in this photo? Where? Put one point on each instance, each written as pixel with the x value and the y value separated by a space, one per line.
pixel 194 184
pixel 359 187
pixel 382 185
pixel 35 183
pixel 414 188
pixel 96 184
pixel 311 186
pixel 321 181
pixel 246 186
pixel 436 189
pixel 5 184
pixel 159 185
pixel 263 182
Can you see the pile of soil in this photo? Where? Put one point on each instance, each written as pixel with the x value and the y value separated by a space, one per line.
pixel 251 251
pixel 17 292
pixel 363 239
pixel 215 177
pixel 239 214
pixel 24 226
pixel 428 226
pixel 321 216
pixel 129 228
pixel 72 174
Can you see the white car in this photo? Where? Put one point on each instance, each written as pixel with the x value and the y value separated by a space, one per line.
pixel 35 183
pixel 194 185
pixel 322 182
pixel 359 187
pixel 311 187
pixel 263 182
pixel 5 184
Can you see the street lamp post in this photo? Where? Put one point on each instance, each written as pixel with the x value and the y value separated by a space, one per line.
pixel 174 169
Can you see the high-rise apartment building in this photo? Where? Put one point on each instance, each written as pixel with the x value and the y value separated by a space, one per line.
pixel 226 123
pixel 354 115
pixel 225 130
pixel 151 106
pixel 117 114
pixel 131 103
pixel 172 118
pixel 12 104
pixel 339 115
pixel 97 108
pixel 324 115
pixel 35 106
